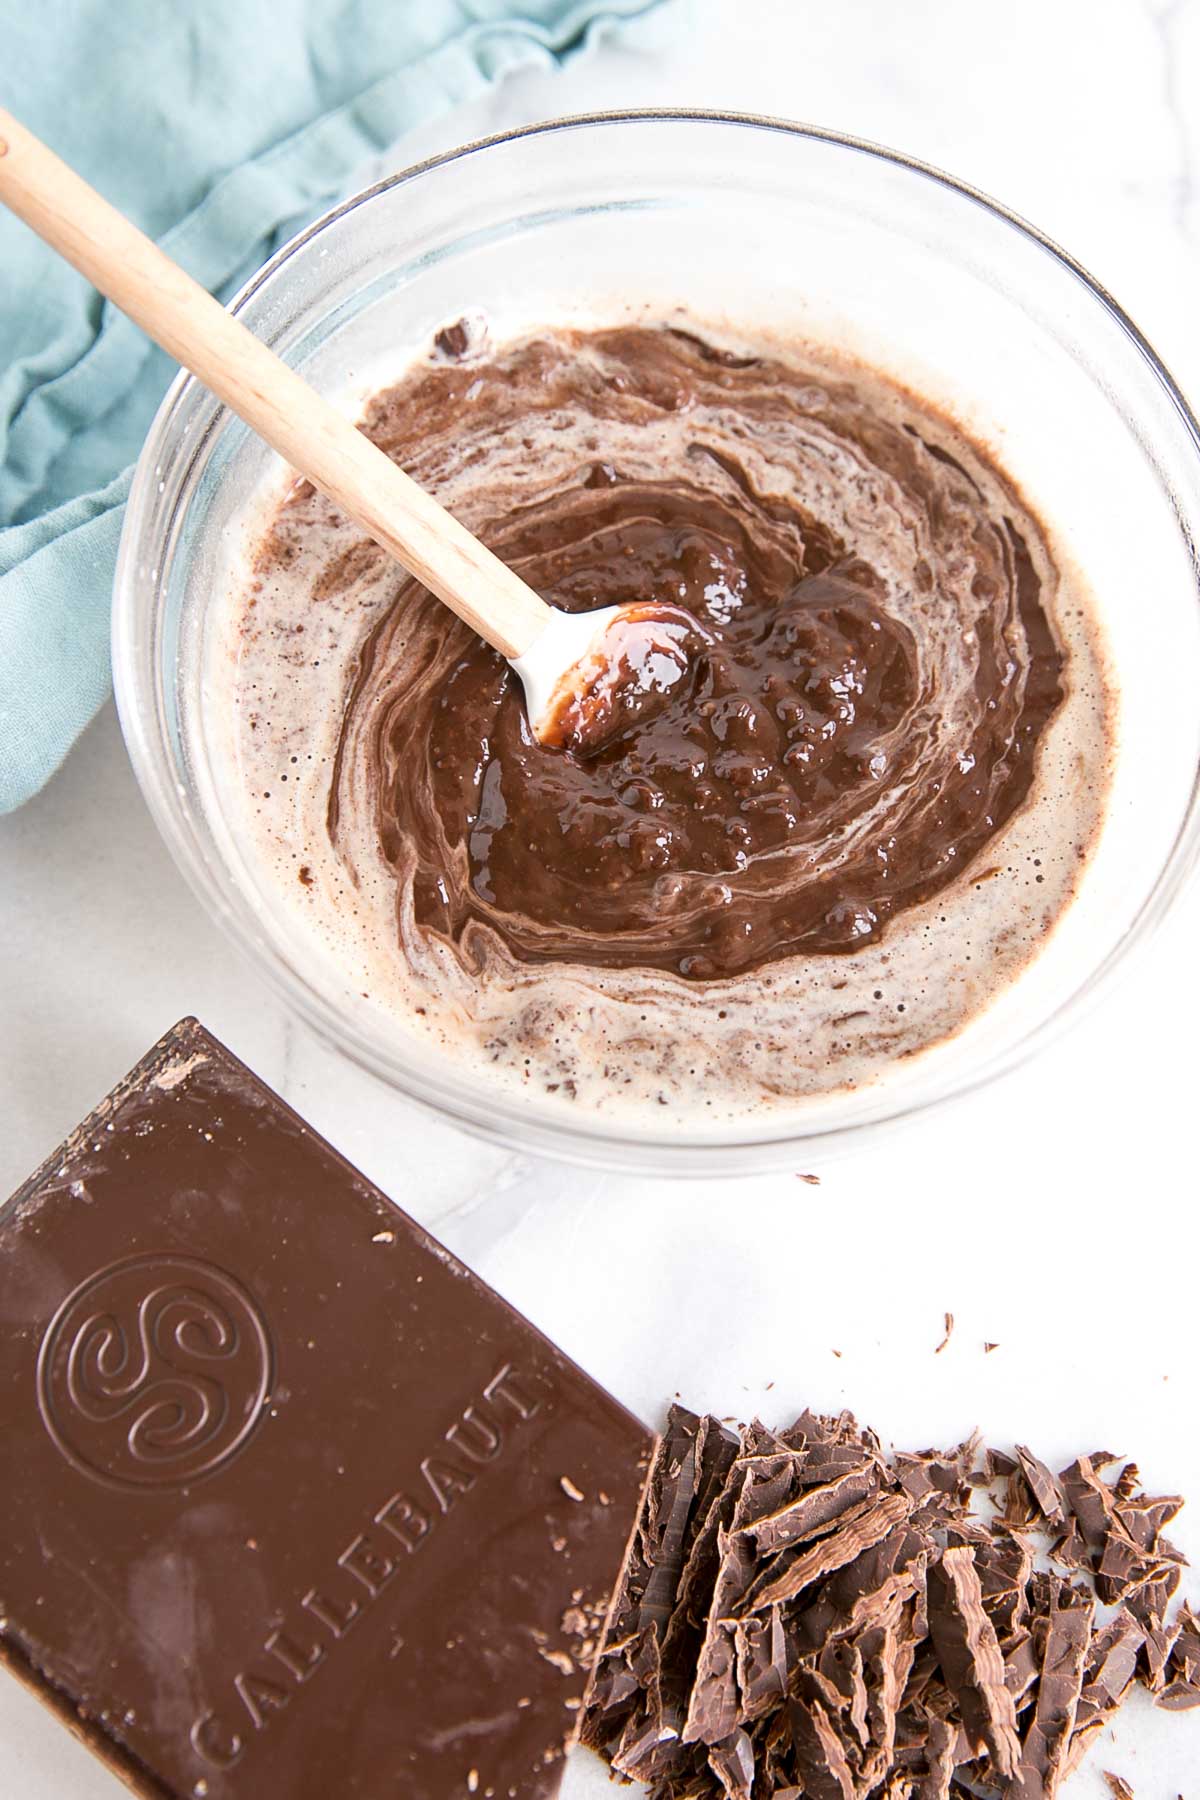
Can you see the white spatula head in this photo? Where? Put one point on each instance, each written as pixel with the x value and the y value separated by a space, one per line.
pixel 591 678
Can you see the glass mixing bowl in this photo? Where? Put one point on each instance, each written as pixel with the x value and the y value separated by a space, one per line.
pixel 772 226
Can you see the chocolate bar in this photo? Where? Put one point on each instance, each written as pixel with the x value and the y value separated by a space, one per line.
pixel 293 1503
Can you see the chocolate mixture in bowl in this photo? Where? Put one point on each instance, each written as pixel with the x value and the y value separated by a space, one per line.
pixel 875 759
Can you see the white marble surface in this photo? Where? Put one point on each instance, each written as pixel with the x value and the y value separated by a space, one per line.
pixel 1083 115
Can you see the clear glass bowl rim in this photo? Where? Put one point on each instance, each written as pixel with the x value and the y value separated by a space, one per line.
pixel 145 734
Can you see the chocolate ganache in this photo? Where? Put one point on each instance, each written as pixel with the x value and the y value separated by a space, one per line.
pixel 851 732
pixel 845 794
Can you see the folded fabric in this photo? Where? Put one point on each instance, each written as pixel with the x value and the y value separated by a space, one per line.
pixel 220 127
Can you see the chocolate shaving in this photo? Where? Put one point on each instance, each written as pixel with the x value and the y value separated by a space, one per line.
pixel 966 1643
pixel 1149 1606
pixel 862 1528
pixel 1042 1485
pixel 820 1756
pixel 804 1618
pixel 863 1594
pixel 1005 1565
pixel 634 1709
pixel 1067 1629
pixel 1116 1532
pixel 762 1478
pixel 1110 1669
pixel 948 1336
pixel 889 1652
pixel 937 1472
pixel 996 1464
pixel 733 1764
pixel 814 1508
pixel 1182 1690
pixel 1070 1549
pixel 1090 1502
pixel 1021 1668
pixel 941 1757
pixel 761 1664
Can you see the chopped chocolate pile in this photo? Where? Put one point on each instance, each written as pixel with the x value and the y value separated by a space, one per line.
pixel 804 1617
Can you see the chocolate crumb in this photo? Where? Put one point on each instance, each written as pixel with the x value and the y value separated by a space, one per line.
pixel 1118 1786
pixel 453 341
pixel 812 1180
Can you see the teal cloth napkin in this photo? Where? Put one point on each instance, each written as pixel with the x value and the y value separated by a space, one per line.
pixel 220 127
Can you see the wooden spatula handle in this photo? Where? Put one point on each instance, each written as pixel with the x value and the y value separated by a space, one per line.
pixel 275 402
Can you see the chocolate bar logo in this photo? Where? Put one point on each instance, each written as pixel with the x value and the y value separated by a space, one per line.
pixel 301 1637
pixel 154 1372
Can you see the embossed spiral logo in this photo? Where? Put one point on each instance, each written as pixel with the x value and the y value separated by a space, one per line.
pixel 154 1372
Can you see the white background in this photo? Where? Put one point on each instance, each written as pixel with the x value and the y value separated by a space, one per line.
pixel 1047 1213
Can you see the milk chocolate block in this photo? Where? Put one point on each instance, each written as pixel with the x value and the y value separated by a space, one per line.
pixel 292 1504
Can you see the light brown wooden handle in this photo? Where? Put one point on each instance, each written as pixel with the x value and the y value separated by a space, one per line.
pixel 274 401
